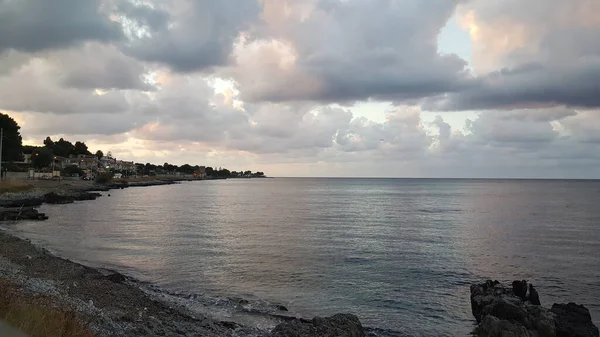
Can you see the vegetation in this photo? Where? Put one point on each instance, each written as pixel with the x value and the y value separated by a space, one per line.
pixel 41 158
pixel 64 148
pixel 12 143
pixel 104 178
pixel 35 316
pixel 14 186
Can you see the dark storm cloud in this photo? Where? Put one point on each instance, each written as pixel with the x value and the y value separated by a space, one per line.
pixel 574 85
pixel 200 34
pixel 34 25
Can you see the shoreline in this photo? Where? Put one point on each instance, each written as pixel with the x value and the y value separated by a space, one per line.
pixel 109 303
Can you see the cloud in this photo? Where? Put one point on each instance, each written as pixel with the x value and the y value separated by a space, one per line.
pixel 98 66
pixel 199 34
pixel 346 51
pixel 34 88
pixel 34 25
pixel 540 54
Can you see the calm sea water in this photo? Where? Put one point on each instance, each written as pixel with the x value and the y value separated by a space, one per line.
pixel 399 253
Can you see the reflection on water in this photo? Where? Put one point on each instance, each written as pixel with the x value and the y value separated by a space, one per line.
pixel 398 253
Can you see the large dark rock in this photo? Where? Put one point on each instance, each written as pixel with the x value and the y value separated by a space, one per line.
pixel 29 202
pixel 520 289
pixel 340 325
pixel 501 313
pixel 573 320
pixel 55 198
pixel 87 196
pixel 21 213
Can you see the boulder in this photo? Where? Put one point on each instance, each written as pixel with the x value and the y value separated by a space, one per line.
pixel 339 325
pixel 573 320
pixel 21 213
pixel 520 289
pixel 501 312
pixel 87 196
pixel 55 198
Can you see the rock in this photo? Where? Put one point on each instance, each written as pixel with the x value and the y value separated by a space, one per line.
pixel 500 312
pixel 87 196
pixel 54 198
pixel 520 289
pixel 494 327
pixel 533 297
pixel 21 213
pixel 28 202
pixel 573 320
pixel 281 307
pixel 339 325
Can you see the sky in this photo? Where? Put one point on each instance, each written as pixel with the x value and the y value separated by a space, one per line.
pixel 349 88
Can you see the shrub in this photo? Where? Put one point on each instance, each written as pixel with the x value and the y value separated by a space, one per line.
pixel 104 178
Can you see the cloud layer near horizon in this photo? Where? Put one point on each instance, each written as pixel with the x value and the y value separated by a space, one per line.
pixel 273 84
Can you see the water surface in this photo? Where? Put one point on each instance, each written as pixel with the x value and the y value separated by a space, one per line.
pixel 399 253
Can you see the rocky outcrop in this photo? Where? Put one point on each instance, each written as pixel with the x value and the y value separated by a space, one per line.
pixel 21 213
pixel 573 320
pixel 340 325
pixel 55 198
pixel 500 312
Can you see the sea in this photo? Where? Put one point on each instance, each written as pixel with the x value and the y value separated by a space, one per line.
pixel 399 253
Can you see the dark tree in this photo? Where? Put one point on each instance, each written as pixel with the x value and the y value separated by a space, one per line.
pixel 12 143
pixel 99 154
pixel 209 171
pixel 28 149
pixel 41 158
pixel 48 143
pixel 139 168
pixel 81 148
pixel 64 148
pixel 186 168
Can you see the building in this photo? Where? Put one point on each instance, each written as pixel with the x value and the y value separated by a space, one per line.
pixel 201 172
pixel 122 165
pixel 84 162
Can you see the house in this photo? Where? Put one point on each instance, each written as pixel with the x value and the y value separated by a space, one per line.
pixel 84 162
pixel 201 172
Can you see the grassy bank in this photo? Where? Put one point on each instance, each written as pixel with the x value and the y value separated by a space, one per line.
pixel 14 186
pixel 35 316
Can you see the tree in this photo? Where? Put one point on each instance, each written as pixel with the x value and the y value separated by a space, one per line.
pixel 99 154
pixel 209 171
pixel 81 148
pixel 12 143
pixel 49 143
pixel 41 158
pixel 64 148
pixel 109 155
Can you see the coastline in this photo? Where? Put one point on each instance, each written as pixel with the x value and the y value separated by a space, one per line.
pixel 108 303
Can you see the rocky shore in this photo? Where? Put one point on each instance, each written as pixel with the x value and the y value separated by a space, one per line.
pixel 21 206
pixel 515 311
pixel 111 304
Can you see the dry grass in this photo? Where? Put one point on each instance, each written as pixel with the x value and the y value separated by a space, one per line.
pixel 35 316
pixel 14 186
